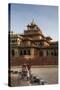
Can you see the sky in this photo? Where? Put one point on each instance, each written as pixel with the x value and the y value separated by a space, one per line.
pixel 46 17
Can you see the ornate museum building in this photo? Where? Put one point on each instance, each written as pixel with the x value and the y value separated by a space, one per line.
pixel 32 46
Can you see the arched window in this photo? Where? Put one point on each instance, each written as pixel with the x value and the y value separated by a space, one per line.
pixel 55 53
pixel 24 52
pixel 52 53
pixel 13 53
pixel 41 53
pixel 47 53
pixel 21 52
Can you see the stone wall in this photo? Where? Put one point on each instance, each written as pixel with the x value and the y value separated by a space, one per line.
pixel 16 61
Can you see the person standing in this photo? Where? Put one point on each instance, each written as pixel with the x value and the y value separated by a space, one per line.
pixel 24 71
pixel 29 70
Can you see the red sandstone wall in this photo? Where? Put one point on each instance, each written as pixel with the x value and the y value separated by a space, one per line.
pixel 35 61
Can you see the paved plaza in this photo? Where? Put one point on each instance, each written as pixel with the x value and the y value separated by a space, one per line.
pixel 50 74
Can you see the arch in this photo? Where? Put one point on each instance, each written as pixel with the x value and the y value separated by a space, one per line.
pixel 20 52
pixel 13 52
pixel 24 52
pixel 47 53
pixel 41 53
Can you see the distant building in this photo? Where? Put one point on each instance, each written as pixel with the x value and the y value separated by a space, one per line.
pixel 32 43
